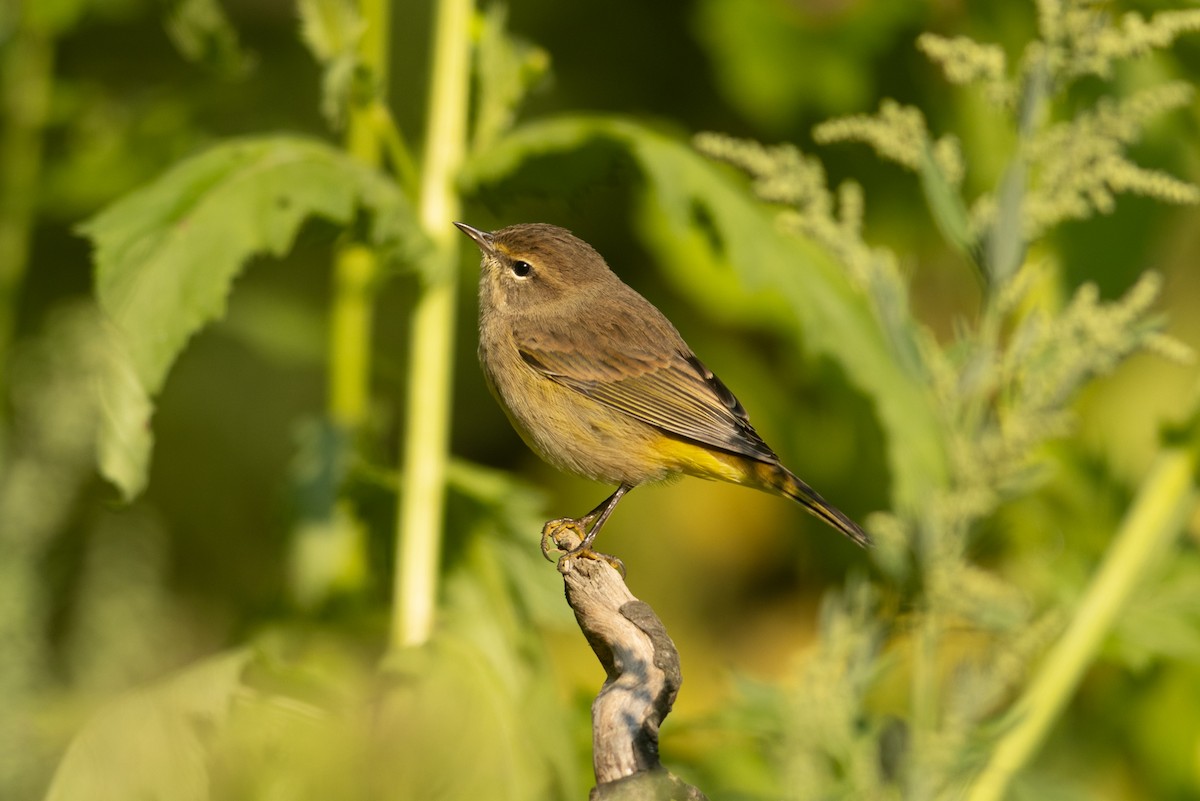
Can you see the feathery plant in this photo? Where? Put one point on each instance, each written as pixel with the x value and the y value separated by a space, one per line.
pixel 1002 389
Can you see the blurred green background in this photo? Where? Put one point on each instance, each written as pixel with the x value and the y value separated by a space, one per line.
pixel 124 595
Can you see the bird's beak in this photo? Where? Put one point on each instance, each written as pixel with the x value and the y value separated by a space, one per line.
pixel 485 240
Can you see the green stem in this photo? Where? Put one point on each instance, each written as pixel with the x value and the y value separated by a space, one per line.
pixel 356 270
pixel 26 81
pixel 396 149
pixel 427 423
pixel 1159 510
pixel 356 267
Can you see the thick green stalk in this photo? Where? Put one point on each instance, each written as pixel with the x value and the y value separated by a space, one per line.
pixel 26 75
pixel 1163 502
pixel 427 422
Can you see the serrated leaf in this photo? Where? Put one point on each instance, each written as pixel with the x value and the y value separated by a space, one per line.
pixel 123 436
pixel 701 223
pixel 167 254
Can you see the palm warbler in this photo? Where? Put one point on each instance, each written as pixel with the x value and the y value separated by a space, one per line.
pixel 599 383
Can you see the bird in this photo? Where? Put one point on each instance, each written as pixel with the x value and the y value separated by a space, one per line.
pixel 600 384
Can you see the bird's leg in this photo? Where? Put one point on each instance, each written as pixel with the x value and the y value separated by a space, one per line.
pixel 594 520
pixel 587 527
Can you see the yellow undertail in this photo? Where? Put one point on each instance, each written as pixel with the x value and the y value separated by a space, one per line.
pixel 696 460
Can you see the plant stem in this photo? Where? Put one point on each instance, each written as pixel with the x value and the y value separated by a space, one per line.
pixel 396 149
pixel 25 85
pixel 355 270
pixel 1165 498
pixel 427 421
pixel 356 267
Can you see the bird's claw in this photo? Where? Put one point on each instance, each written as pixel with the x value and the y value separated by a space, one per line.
pixel 562 534
pixel 568 536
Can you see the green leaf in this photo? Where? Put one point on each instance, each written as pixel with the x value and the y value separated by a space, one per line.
pixel 701 223
pixel 752 43
pixel 479 686
pixel 506 69
pixel 167 254
pixel 332 29
pixel 123 437
pixel 1162 620
pixel 202 33
pixel 151 743
pixel 946 204
pixel 510 521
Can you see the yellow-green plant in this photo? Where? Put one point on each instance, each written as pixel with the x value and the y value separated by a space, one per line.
pixel 1001 390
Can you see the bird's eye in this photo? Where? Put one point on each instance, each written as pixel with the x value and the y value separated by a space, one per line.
pixel 521 269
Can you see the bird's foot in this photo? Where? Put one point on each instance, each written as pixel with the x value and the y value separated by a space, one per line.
pixel 562 534
pixel 569 536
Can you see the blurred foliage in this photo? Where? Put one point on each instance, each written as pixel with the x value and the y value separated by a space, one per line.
pixel 167 255
pixel 748 41
pixel 959 349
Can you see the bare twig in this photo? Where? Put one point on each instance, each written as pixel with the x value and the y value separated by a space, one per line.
pixel 643 679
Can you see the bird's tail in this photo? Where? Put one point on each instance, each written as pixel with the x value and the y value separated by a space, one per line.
pixel 781 480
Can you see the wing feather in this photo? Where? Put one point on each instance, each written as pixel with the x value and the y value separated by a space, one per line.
pixel 655 378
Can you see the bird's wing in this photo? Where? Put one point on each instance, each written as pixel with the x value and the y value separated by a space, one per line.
pixel 654 378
